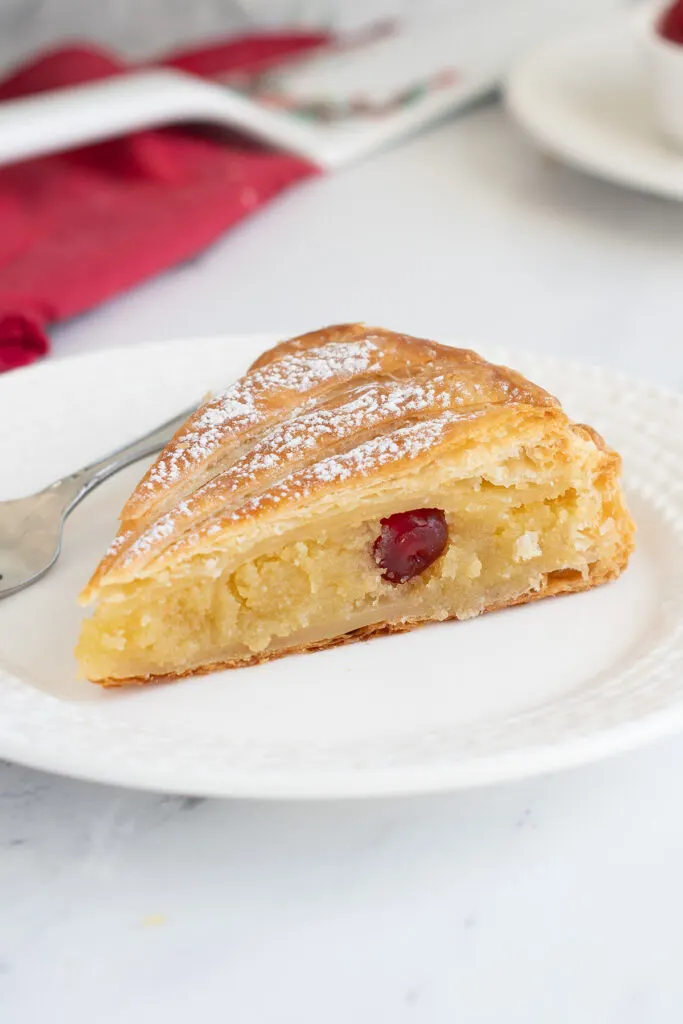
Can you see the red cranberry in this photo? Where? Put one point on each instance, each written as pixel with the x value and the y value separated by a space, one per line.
pixel 409 542
pixel 671 23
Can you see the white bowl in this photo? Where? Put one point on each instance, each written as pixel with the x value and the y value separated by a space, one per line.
pixel 665 68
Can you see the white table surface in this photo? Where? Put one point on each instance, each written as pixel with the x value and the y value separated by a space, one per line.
pixel 557 900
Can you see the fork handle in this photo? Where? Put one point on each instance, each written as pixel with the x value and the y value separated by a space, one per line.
pixel 73 488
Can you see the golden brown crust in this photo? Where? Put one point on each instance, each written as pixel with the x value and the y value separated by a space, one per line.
pixel 310 411
pixel 555 584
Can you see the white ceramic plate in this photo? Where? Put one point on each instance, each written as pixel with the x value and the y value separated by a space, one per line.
pixel 458 704
pixel 586 100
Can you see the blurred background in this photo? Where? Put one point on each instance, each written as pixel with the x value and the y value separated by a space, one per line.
pixel 141 27
pixel 469 205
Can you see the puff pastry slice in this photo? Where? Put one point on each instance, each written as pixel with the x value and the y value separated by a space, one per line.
pixel 354 482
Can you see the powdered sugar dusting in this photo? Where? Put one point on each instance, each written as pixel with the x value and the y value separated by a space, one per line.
pixel 405 443
pixel 247 403
pixel 116 544
pixel 300 440
pixel 301 371
pixel 371 407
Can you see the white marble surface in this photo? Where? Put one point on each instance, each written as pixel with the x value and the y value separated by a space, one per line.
pixel 557 901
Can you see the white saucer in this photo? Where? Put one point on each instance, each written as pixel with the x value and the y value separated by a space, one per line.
pixel 585 99
pixel 454 705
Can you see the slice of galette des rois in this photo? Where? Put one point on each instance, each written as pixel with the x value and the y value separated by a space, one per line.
pixel 354 482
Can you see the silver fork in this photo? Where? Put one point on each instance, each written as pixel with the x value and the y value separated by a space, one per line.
pixel 31 528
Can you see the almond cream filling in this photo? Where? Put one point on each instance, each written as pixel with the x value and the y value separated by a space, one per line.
pixel 323 582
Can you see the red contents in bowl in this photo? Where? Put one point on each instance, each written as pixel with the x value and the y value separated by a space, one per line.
pixel 671 23
pixel 410 542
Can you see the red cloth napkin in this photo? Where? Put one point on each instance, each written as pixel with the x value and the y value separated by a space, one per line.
pixel 78 227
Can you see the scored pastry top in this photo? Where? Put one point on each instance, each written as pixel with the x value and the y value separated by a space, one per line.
pixel 329 406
